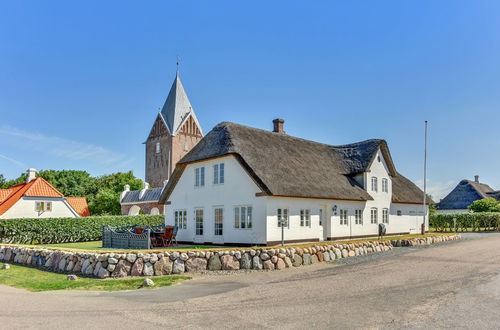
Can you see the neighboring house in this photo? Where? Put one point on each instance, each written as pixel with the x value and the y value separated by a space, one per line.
pixel 238 182
pixel 36 198
pixel 464 194
pixel 143 201
pixel 175 132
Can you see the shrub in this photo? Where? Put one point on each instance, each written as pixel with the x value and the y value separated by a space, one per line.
pixel 66 230
pixel 474 221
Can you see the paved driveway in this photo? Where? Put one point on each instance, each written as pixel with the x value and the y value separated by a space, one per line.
pixel 456 284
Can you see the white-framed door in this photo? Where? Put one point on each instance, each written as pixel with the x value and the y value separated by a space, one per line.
pixel 199 225
pixel 323 225
pixel 218 217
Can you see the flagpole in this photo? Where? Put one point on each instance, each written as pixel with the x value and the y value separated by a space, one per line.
pixel 425 176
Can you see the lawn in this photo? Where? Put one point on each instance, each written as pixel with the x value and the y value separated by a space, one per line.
pixel 37 280
pixel 97 246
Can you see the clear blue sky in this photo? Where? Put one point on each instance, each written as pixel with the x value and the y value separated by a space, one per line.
pixel 80 84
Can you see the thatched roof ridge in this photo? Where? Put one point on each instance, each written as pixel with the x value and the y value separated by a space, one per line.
pixel 283 165
pixel 464 194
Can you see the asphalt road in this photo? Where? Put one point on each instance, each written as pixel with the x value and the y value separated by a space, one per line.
pixel 451 285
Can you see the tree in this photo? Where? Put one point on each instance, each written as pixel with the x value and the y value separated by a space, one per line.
pixel 106 202
pixel 485 205
pixel 2 180
pixel 69 182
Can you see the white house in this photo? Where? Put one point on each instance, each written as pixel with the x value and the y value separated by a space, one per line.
pixel 36 198
pixel 238 181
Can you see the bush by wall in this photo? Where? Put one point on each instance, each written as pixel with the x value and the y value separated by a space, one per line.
pixel 65 230
pixel 466 221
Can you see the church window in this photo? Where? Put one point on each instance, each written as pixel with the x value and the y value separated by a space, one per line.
pixel 157 147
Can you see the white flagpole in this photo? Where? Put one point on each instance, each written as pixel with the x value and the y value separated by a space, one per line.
pixel 425 176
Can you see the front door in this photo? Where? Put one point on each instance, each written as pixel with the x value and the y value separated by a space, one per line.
pixel 199 234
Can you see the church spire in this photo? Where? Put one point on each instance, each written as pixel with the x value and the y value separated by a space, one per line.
pixel 177 107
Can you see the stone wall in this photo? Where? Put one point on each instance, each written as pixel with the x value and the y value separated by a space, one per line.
pixel 116 264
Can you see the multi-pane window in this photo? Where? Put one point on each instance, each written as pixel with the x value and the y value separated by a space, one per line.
pixel 358 217
pixel 198 217
pixel 243 217
pixel 43 206
pixel 180 217
pixel 385 215
pixel 305 218
pixel 218 221
pixel 157 147
pixel 374 184
pixel 282 217
pixel 343 217
pixel 385 185
pixel 374 215
pixel 219 173
pixel 199 177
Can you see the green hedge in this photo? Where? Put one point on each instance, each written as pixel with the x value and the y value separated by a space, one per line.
pixel 65 230
pixel 466 221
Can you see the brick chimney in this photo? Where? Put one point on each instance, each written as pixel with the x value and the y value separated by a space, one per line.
pixel 279 125
pixel 476 178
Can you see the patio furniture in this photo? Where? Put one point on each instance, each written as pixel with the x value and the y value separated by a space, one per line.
pixel 174 234
pixel 167 236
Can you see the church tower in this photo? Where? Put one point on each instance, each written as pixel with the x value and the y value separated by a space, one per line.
pixel 175 132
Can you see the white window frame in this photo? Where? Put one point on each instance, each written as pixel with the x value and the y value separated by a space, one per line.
pixel 385 185
pixel 43 206
pixel 180 219
pixel 218 173
pixel 199 176
pixel 385 215
pixel 374 184
pixel 199 214
pixel 305 218
pixel 358 214
pixel 283 212
pixel 218 221
pixel 374 215
pixel 343 217
pixel 243 217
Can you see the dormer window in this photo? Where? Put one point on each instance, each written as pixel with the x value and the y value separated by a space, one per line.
pixel 385 185
pixel 374 184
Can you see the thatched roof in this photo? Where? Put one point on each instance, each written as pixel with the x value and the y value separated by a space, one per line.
pixel 282 165
pixel 464 194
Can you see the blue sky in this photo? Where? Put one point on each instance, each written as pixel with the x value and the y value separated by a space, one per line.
pixel 81 83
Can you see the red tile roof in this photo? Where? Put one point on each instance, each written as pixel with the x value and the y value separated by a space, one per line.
pixel 38 187
pixel 79 204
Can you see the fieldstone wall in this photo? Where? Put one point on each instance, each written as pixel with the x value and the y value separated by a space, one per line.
pixel 103 265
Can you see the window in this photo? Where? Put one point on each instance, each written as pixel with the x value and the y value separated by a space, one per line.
pixel 358 214
pixel 385 215
pixel 374 215
pixel 374 184
pixel 198 217
pixel 385 185
pixel 219 173
pixel 157 147
pixel 218 221
pixel 43 206
pixel 321 217
pixel 199 177
pixel 399 213
pixel 343 217
pixel 283 218
pixel 243 217
pixel 180 217
pixel 305 218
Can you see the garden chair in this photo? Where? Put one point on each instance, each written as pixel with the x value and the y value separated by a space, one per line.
pixel 174 234
pixel 167 236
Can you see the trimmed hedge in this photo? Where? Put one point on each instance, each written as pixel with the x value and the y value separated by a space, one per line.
pixel 466 221
pixel 66 230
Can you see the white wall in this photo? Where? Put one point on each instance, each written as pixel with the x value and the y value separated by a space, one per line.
pixel 238 189
pixel 25 208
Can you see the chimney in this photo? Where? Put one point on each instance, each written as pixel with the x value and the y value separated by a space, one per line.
pixel 31 174
pixel 126 189
pixel 476 178
pixel 279 125
pixel 143 191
